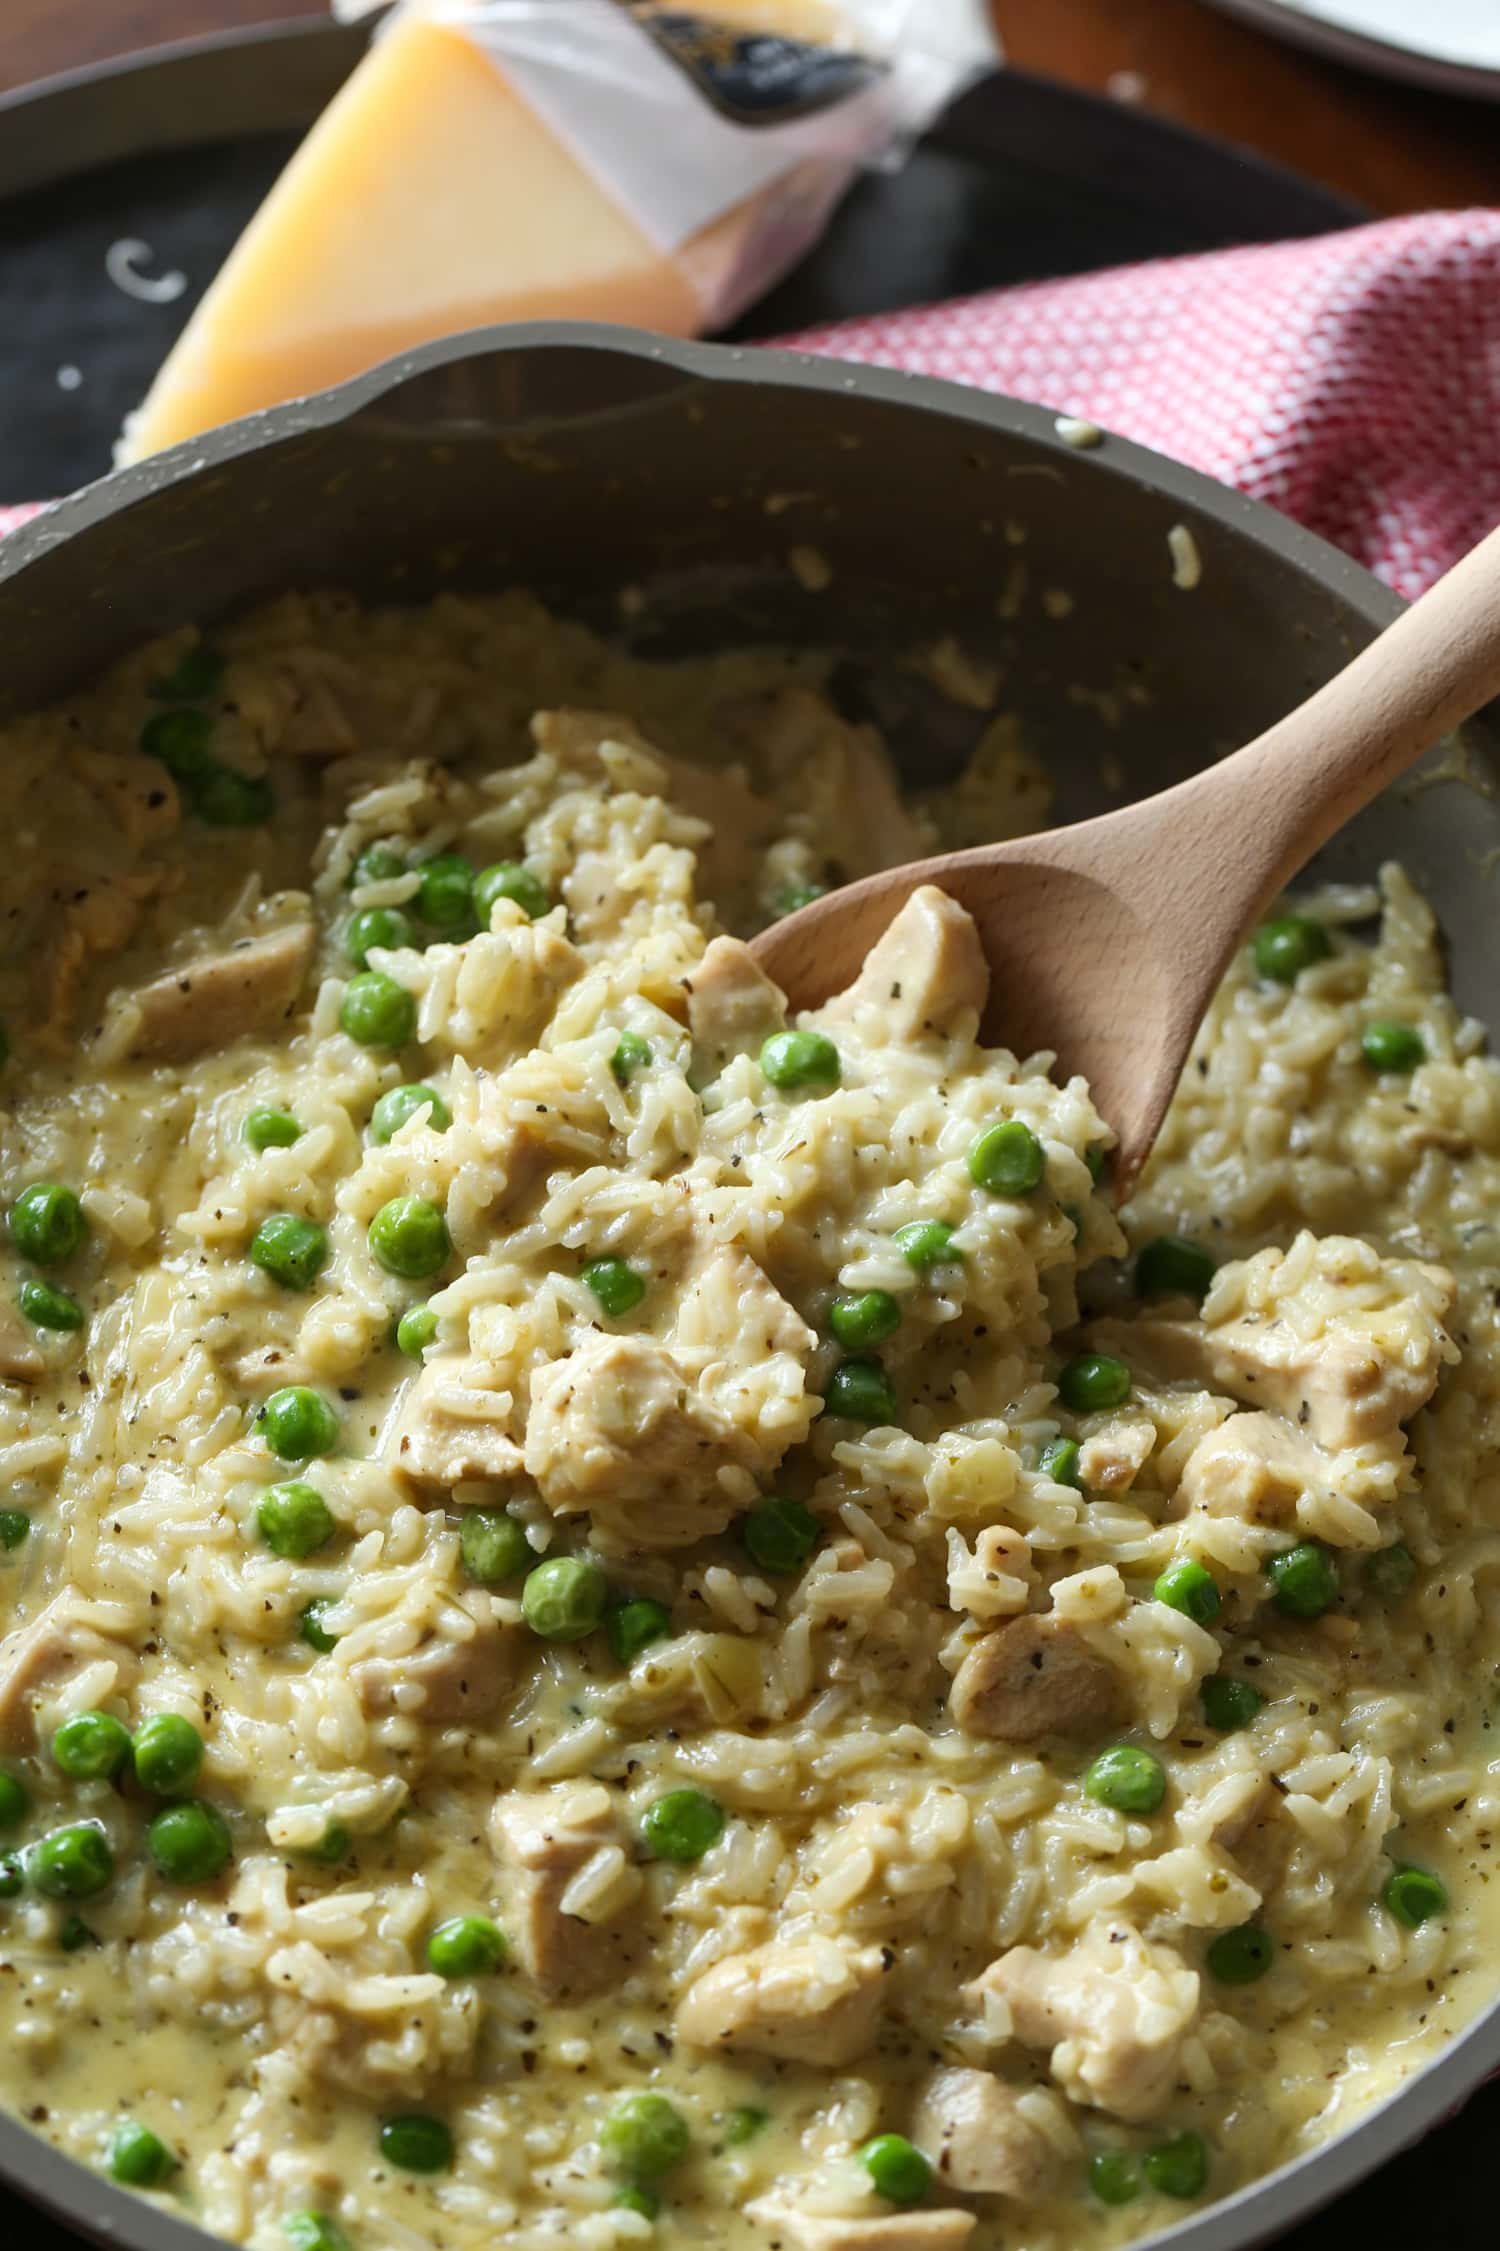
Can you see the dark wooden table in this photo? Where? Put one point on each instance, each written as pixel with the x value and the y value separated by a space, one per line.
pixel 1391 147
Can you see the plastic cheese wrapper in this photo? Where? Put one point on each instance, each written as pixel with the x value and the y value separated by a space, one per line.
pixel 614 160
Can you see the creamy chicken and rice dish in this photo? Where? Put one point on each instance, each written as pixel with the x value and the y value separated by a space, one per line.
pixel 628 1617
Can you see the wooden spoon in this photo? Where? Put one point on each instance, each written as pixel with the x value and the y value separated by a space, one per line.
pixel 1107 941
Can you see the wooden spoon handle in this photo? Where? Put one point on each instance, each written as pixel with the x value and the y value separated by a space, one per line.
pixel 1288 791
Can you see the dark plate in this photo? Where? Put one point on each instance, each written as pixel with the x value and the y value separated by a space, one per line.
pixel 175 148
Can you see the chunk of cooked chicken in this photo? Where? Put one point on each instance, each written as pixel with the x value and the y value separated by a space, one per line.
pixel 1110 1460
pixel 623 1430
pixel 1331 1335
pixel 98 916
pixel 941 2229
pixel 1115 2010
pixel 732 1006
pixel 137 793
pixel 453 1422
pixel 20 1361
pixel 552 1844
pixel 844 774
pixel 925 977
pixel 972 2128
pixel 1254 1466
pixel 811 2000
pixel 1033 1677
pixel 69 1633
pixel 253 986
pixel 453 1676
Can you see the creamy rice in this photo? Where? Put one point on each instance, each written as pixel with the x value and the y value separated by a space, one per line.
pixel 918 1912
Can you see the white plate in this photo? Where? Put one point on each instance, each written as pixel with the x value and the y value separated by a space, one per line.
pixel 1450 44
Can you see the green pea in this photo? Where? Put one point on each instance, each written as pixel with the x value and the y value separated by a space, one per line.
pixel 314 2231
pixel 858 1391
pixel 616 1285
pixel 1091 1382
pixel 631 1054
pixel 1113 2176
pixel 794 1060
pixel 779 1536
pixel 1240 1956
pixel 72 1863
pixel 400 1103
pixel 47 1307
pixel 1171 1266
pixel 91 1747
pixel 180 740
pixel 415 1330
pixel 1189 1586
pixel 416 2143
pixel 1007 1159
pixel 645 2137
pixel 1414 1895
pixel 1391 1572
pixel 564 1598
pixel 312 1627
pixel 633 1626
pixel 793 896
pixel 167 1751
pixel 14 1526
pixel 682 1826
pixel 1284 948
pixel 377 1011
pixel 334 1845
pixel 13 1799
pixel 1304 1580
pixel 292 1251
pixel 492 1546
pixel 270 1129
pixel 445 893
pixel 409 1237
pixel 858 1319
pixel 189 1842
pixel 632 2199
pixel 47 1223
pixel 222 798
pixel 298 1423
pixel 926 1243
pixel 138 2157
pixel 1395 1048
pixel 12 1875
pixel 466 1946
pixel 384 927
pixel 1229 1704
pixel 898 2171
pixel 196 674
pixel 294 1520
pixel 1178 2167
pixel 376 864
pixel 1127 1779
pixel 742 2126
pixel 1059 1461
pixel 508 880
pixel 72 1933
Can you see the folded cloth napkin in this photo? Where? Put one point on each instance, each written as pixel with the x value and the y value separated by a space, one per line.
pixel 1352 381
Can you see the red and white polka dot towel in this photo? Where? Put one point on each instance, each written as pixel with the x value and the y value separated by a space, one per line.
pixel 1352 381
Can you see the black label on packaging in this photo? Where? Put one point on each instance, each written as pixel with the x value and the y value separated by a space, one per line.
pixel 754 77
